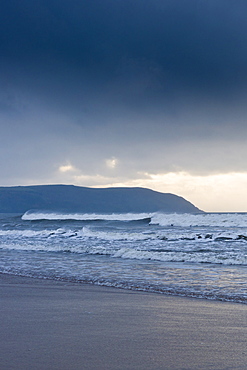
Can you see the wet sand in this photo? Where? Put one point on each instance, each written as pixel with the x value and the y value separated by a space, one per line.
pixel 57 325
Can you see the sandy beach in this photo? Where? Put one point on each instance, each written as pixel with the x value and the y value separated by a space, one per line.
pixel 57 325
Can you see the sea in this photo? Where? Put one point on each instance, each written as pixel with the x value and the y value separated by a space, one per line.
pixel 191 255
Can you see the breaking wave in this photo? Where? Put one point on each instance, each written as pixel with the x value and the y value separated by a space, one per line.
pixel 33 216
pixel 157 218
pixel 203 255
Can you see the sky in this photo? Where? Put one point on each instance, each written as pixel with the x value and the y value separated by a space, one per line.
pixel 149 93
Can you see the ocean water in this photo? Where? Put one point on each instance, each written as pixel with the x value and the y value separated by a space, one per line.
pixel 193 255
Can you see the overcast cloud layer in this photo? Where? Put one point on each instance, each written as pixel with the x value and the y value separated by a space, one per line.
pixel 108 91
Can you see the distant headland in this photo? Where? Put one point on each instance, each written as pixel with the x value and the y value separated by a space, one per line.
pixel 70 198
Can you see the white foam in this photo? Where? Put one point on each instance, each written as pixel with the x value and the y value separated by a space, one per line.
pixel 202 219
pixel 169 235
pixel 31 216
pixel 35 233
pixel 115 235
pixel 212 258
pixel 25 233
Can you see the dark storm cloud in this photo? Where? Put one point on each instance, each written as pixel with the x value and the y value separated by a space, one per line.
pixel 198 42
pixel 164 78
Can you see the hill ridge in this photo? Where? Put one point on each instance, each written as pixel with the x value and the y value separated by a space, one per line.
pixel 72 198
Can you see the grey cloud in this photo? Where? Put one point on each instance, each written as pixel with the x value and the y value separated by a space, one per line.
pixel 160 85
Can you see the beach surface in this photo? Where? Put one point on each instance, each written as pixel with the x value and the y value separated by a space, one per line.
pixel 49 324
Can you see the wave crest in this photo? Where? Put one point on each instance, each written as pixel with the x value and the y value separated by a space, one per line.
pixel 34 216
pixel 224 220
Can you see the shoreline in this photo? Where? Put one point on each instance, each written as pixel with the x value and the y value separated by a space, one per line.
pixel 48 324
pixel 128 289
